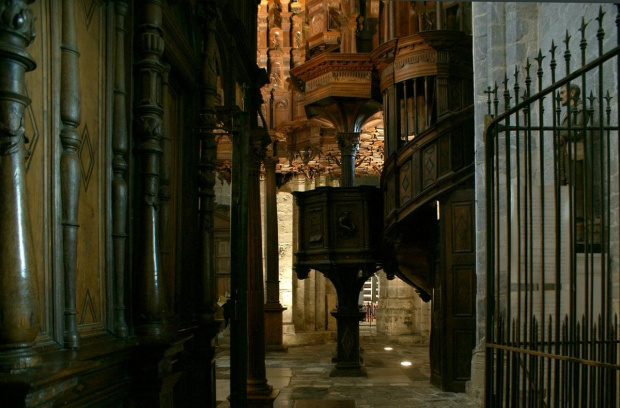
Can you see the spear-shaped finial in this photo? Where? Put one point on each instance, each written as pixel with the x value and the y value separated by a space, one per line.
pixel 601 15
pixel 582 29
pixel 600 34
pixel 488 91
pixel 591 98
pixel 567 39
pixel 539 59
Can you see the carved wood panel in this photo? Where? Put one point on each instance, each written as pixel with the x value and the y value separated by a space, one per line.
pixel 38 128
pixel 416 174
pixel 93 157
pixel 459 313
pixel 444 154
pixel 390 198
pixel 429 165
pixel 406 183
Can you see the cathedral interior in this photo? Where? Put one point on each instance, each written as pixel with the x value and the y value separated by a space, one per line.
pixel 191 183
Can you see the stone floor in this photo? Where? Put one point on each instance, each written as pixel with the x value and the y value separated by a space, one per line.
pixel 302 375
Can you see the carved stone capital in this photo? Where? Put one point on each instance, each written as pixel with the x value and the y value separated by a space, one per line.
pixel 348 143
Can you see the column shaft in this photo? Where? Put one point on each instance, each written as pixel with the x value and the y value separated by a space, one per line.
pixel 150 299
pixel 119 166
pixel 19 292
pixel 257 377
pixel 348 143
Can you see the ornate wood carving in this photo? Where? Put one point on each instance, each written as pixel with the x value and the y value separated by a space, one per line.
pixel 19 292
pixel 119 166
pixel 151 303
pixel 347 253
pixel 71 140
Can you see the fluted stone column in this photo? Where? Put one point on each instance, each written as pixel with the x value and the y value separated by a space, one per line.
pixel 348 143
pixel 273 307
pixel 150 302
pixel 119 166
pixel 260 393
pixel 19 292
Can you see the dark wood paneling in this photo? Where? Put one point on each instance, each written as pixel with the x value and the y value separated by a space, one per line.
pixel 405 183
pixel 39 132
pixel 463 240
pixel 429 166
pixel 463 341
pixel 90 276
pixel 455 286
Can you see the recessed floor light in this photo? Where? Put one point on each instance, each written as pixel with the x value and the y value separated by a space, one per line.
pixel 405 363
pixel 388 348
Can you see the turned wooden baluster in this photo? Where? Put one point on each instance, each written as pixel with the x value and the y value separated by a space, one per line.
pixel 19 294
pixel 70 178
pixel 150 299
pixel 119 166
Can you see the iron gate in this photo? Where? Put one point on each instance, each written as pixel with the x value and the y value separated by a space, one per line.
pixel 552 229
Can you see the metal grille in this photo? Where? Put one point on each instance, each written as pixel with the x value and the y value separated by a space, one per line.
pixel 552 225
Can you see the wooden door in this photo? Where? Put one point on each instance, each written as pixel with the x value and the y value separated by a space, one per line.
pixel 454 315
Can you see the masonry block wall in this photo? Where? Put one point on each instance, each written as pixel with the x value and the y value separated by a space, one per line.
pixel 504 36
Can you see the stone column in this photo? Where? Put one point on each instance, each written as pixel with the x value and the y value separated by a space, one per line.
pixel 119 166
pixel 150 305
pixel 19 292
pixel 348 143
pixel 260 394
pixel 70 175
pixel 273 307
pixel 348 282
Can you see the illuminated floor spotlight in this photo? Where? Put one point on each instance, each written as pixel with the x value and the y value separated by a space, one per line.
pixel 388 348
pixel 405 363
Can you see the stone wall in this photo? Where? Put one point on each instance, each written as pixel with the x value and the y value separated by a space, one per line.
pixel 401 312
pixel 504 36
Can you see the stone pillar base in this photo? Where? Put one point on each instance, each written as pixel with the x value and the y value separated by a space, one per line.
pixel 273 328
pixel 262 401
